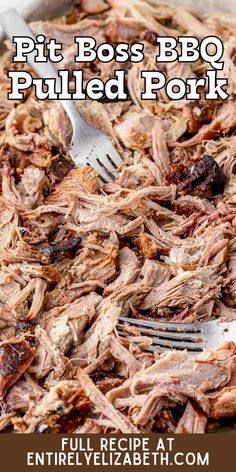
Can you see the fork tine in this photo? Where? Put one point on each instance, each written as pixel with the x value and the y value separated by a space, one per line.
pixel 103 174
pixel 148 348
pixel 177 344
pixel 174 327
pixel 192 337
pixel 113 154
pixel 108 165
pixel 172 344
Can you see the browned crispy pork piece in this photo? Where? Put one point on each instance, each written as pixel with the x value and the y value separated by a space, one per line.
pixel 147 245
pixel 202 177
pixel 60 249
pixel 60 168
pixel 199 113
pixel 88 178
pixel 106 381
pixel 15 358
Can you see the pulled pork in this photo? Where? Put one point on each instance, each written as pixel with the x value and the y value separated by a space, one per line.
pixel 157 242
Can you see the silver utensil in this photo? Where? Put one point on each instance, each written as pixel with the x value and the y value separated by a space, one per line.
pixel 34 10
pixel 195 337
pixel 88 146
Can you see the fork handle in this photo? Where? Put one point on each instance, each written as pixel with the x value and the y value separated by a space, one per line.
pixel 14 25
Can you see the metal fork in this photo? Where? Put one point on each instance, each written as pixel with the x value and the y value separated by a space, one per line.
pixel 195 337
pixel 88 146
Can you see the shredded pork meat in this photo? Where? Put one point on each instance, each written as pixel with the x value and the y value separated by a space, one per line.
pixel 159 242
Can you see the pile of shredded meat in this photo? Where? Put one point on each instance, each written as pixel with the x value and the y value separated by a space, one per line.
pixel 159 242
